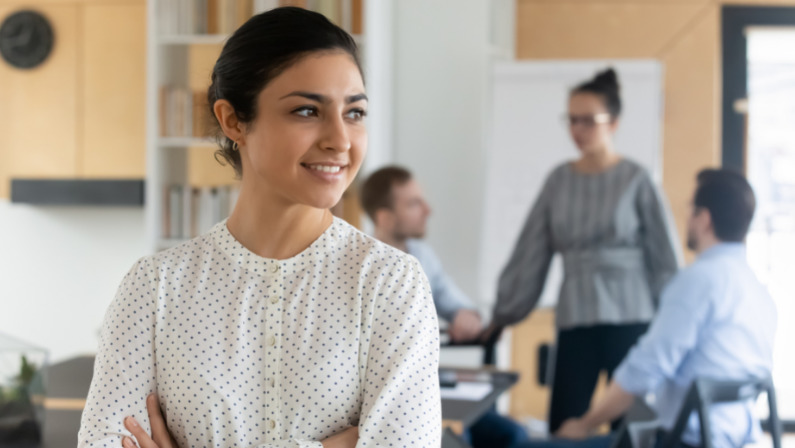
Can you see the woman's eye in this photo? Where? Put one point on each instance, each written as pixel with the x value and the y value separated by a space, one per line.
pixel 306 111
pixel 357 114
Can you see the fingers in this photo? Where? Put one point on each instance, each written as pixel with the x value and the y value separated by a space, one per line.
pixel 139 433
pixel 160 432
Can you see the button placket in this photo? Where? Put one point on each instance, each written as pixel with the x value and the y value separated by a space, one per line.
pixel 273 350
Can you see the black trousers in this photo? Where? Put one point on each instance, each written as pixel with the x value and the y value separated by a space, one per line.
pixel 581 354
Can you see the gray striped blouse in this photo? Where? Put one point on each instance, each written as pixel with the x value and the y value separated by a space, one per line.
pixel 617 245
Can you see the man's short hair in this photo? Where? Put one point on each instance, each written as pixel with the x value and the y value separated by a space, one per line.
pixel 730 200
pixel 376 191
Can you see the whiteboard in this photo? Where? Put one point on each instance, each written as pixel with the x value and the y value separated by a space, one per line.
pixel 529 139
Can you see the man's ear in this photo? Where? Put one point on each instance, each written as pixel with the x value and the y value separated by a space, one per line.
pixel 384 218
pixel 706 216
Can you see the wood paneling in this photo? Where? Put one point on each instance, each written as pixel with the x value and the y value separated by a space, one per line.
pixel 205 171
pixel 691 130
pixel 80 114
pixel 597 30
pixel 38 107
pixel 114 82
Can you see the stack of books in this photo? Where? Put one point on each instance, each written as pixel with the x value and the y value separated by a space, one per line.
pixel 222 17
pixel 184 113
pixel 191 211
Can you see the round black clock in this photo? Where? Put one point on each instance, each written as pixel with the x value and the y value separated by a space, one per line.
pixel 26 39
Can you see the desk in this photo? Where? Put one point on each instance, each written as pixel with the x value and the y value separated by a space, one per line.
pixel 459 414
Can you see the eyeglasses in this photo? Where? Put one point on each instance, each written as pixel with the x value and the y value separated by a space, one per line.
pixel 588 121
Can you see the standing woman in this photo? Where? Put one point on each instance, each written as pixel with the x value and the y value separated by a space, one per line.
pixel 604 215
pixel 283 326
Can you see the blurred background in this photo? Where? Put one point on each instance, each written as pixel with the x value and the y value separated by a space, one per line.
pixel 105 155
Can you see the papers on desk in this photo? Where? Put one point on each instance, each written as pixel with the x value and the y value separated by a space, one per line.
pixel 465 390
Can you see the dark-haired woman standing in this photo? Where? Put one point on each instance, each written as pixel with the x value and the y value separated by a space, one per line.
pixel 604 215
pixel 283 326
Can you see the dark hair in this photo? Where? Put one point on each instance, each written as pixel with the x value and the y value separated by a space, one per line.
pixel 260 50
pixel 605 85
pixel 730 201
pixel 377 189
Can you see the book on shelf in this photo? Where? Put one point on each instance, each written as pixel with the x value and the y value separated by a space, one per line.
pixel 192 211
pixel 200 17
pixel 184 113
pixel 222 17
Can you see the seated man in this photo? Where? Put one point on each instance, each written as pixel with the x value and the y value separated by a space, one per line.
pixel 715 321
pixel 395 204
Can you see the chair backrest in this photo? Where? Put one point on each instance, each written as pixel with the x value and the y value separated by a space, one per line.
pixel 638 427
pixel 705 392
pixel 489 346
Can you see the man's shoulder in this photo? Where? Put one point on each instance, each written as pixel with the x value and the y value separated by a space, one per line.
pixel 424 253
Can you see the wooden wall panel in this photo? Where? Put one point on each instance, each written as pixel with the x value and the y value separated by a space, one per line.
pixel 38 107
pixel 691 130
pixel 113 93
pixel 597 30
pixel 204 171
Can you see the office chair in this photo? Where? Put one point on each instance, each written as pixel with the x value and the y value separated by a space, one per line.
pixel 705 392
pixel 701 395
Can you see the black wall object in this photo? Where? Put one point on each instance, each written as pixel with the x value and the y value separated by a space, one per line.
pixel 78 192
pixel 735 20
pixel 26 39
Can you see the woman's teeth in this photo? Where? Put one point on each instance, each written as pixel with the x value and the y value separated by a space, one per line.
pixel 326 168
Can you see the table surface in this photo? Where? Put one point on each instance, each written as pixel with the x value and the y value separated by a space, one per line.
pixel 468 412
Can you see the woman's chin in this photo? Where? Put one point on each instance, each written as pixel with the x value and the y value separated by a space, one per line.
pixel 323 201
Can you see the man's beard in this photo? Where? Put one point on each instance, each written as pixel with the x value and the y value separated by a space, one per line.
pixel 692 241
pixel 403 234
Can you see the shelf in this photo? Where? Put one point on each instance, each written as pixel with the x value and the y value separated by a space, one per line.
pixel 92 192
pixel 193 39
pixel 184 142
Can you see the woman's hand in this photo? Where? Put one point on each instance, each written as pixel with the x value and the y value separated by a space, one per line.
pixel 345 439
pixel 160 438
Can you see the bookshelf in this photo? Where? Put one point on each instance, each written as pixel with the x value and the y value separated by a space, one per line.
pixel 187 191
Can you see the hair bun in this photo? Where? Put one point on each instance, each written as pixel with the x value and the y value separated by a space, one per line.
pixel 607 78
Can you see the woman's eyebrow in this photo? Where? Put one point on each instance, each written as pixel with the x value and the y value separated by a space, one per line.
pixel 355 98
pixel 318 98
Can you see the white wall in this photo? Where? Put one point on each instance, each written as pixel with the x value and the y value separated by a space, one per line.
pixel 59 269
pixel 441 62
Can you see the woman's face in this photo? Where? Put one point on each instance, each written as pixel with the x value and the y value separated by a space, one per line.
pixel 590 123
pixel 309 136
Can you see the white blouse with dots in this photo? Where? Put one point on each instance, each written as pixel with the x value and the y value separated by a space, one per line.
pixel 246 351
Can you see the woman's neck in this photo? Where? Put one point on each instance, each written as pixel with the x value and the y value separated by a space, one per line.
pixel 272 227
pixel 597 162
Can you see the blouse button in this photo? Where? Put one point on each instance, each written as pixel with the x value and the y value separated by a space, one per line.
pixel 272 341
pixel 274 300
pixel 276 268
pixel 272 424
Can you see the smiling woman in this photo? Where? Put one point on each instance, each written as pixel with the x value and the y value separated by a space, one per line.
pixel 283 326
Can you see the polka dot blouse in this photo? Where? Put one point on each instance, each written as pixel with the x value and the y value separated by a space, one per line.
pixel 246 351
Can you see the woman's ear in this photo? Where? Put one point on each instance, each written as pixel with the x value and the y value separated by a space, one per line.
pixel 230 124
